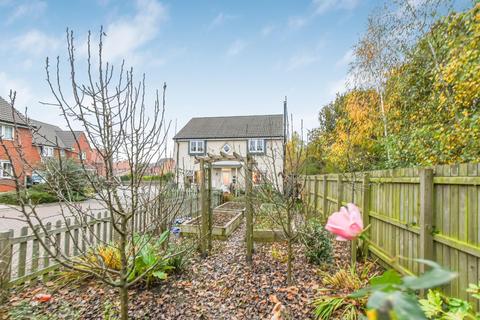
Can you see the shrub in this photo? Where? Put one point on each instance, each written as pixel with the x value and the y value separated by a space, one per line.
pixel 36 197
pixel 67 178
pixel 339 302
pixel 317 242
pixel 181 254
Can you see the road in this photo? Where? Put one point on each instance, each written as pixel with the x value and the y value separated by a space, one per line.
pixel 11 217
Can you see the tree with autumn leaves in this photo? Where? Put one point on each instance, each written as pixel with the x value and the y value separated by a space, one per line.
pixel 416 100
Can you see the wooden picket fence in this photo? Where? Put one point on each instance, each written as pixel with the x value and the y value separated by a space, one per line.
pixel 416 213
pixel 23 259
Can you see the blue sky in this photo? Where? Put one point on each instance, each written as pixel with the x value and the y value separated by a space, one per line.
pixel 217 57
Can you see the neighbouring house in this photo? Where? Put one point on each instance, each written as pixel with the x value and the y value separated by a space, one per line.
pixel 16 135
pixel 261 136
pixel 53 142
pixel 36 141
pixel 161 167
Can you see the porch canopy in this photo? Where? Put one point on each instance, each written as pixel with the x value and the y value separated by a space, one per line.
pixel 227 164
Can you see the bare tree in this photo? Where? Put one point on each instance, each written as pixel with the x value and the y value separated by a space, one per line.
pixel 110 107
pixel 278 193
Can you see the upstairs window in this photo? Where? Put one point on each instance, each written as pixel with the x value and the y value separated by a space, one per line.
pixel 6 169
pixel 6 132
pixel 256 146
pixel 197 147
pixel 82 156
pixel 47 151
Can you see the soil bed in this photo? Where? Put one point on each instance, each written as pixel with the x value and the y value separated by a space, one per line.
pixel 220 219
pixel 221 286
pixel 232 205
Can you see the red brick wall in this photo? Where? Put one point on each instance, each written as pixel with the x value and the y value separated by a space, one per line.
pixel 21 163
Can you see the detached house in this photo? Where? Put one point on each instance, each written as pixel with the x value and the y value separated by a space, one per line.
pixel 261 136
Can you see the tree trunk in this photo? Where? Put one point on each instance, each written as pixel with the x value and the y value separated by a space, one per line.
pixel 289 262
pixel 124 303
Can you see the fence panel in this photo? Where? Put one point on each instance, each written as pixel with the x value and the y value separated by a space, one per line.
pixel 22 258
pixel 413 215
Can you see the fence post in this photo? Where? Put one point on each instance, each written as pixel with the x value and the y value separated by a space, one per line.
pixel 5 259
pixel 249 208
pixel 339 191
pixel 426 216
pixel 204 217
pixel 325 198
pixel 366 207
pixel 315 196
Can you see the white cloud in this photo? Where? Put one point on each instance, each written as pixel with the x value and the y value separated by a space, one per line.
pixel 297 22
pixel 302 60
pixel 28 9
pixel 219 20
pixel 322 6
pixel 267 30
pixel 127 35
pixel 36 42
pixel 346 59
pixel 236 47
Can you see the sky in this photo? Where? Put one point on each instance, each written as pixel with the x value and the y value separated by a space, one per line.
pixel 217 57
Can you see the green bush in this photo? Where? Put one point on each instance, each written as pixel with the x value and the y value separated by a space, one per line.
pixel 66 177
pixel 35 196
pixel 318 243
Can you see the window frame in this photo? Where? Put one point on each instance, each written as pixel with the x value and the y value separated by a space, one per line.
pixel 196 143
pixel 2 170
pixel 256 144
pixel 46 154
pixel 2 130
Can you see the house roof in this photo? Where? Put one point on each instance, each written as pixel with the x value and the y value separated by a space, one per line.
pixel 51 135
pixel 68 137
pixel 253 126
pixel 6 114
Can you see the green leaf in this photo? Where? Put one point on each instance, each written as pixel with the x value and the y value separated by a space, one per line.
pixel 160 275
pixel 389 277
pixel 403 305
pixel 434 277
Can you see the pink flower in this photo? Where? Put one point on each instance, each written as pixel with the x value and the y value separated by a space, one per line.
pixel 346 224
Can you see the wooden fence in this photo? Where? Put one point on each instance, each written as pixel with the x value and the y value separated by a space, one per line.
pixel 429 213
pixel 23 259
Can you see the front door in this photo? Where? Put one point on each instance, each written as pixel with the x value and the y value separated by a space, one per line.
pixel 226 177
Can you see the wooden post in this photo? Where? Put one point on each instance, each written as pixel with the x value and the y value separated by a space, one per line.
pixel 315 197
pixel 325 199
pixel 249 209
pixel 203 204
pixel 339 191
pixel 209 205
pixel 366 207
pixel 5 259
pixel 426 216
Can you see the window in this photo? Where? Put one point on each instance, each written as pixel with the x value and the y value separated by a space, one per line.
pixel 6 132
pixel 6 170
pixel 82 156
pixel 47 151
pixel 226 148
pixel 197 146
pixel 62 153
pixel 256 146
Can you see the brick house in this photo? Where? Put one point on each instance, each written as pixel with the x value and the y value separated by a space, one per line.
pixel 14 129
pixel 52 141
pixel 161 167
pixel 37 141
